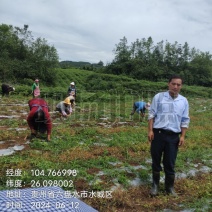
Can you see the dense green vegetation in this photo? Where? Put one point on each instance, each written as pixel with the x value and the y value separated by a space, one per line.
pixel 145 60
pixel 90 83
pixel 23 58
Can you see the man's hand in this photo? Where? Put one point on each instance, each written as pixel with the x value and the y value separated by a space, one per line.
pixel 64 114
pixel 182 140
pixel 182 137
pixel 150 136
pixel 150 130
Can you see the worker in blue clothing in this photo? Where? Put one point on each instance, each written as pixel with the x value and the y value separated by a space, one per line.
pixel 168 121
pixel 140 107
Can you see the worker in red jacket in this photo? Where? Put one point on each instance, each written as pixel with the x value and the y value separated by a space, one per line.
pixel 39 118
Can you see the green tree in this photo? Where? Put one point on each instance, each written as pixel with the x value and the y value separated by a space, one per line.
pixel 201 68
pixel 22 57
pixel 122 53
pixel 100 63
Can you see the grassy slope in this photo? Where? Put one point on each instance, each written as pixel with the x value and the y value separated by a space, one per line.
pixel 91 81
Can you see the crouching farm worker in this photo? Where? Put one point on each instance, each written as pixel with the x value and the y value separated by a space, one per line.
pixel 168 122
pixel 6 89
pixel 39 118
pixel 65 107
pixel 140 107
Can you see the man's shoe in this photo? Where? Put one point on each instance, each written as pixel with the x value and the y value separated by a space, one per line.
pixel 169 185
pixel 155 184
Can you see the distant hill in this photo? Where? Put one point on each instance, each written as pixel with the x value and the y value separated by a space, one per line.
pixel 80 64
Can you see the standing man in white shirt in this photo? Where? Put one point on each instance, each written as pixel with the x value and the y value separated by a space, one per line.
pixel 168 122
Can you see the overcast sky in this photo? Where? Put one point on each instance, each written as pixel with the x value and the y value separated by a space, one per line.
pixel 88 30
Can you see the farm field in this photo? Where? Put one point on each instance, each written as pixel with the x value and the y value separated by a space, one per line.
pixel 106 152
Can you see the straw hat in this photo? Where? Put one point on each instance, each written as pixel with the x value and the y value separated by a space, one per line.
pixel 67 101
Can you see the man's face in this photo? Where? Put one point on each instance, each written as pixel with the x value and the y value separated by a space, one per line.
pixel 175 86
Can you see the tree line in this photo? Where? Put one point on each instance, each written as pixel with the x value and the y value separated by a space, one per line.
pixel 144 60
pixel 24 58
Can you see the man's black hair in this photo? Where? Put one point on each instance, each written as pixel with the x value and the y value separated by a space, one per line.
pixel 175 76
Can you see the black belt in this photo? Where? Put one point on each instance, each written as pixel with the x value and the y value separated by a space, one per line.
pixel 167 132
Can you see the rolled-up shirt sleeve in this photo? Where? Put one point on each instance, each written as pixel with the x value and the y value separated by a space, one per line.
pixel 185 117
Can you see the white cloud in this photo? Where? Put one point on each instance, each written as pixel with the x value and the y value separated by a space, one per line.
pixel 84 30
